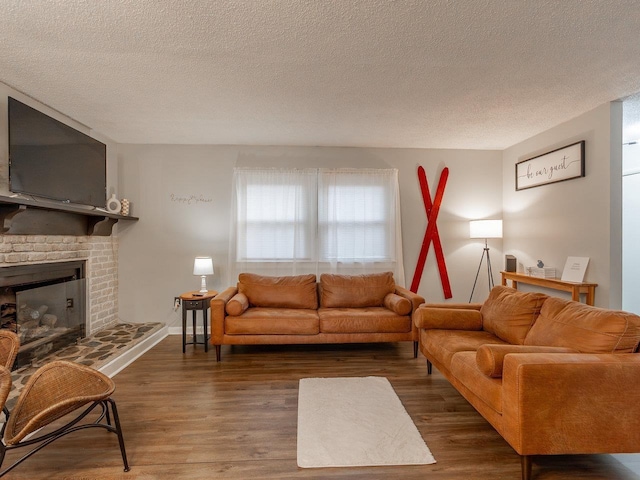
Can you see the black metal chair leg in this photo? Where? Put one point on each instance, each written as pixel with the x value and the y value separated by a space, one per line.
pixel 429 367
pixel 107 415
pixel 3 450
pixel 116 420
pixel 415 349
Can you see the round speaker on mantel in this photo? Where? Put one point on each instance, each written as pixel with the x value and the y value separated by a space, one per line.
pixel 113 204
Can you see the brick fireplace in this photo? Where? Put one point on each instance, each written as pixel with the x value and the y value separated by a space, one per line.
pixel 97 254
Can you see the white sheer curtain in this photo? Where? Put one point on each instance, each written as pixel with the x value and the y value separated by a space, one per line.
pixel 359 228
pixel 289 222
pixel 274 225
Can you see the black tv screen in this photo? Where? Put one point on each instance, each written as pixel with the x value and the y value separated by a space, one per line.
pixel 52 160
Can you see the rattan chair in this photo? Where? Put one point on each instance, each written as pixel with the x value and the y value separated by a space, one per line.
pixel 53 391
pixel 9 345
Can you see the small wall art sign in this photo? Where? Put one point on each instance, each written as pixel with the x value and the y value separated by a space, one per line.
pixel 556 166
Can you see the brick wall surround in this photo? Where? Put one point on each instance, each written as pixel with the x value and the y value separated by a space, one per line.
pixel 100 253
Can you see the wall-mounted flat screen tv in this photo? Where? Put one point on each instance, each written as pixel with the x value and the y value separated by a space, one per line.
pixel 51 160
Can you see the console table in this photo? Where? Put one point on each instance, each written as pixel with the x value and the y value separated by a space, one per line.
pixel 574 288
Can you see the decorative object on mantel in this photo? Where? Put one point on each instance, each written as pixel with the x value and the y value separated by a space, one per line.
pixel 125 207
pixel 113 204
pixel 558 165
pixel 203 266
pixel 484 229
pixel 432 208
pixel 575 269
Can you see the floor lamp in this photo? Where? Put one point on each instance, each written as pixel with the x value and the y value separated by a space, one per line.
pixel 484 229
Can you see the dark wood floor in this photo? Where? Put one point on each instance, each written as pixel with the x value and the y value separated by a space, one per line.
pixel 188 417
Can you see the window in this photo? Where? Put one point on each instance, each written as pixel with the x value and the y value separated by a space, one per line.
pixel 354 216
pixel 275 215
pixel 314 221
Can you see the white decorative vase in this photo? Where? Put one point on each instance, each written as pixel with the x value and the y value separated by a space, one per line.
pixel 113 204
pixel 125 207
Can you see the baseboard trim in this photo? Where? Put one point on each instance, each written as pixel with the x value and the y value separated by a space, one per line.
pixel 178 330
pixel 118 364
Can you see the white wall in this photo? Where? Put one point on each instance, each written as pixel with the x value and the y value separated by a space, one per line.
pixel 182 195
pixel 579 217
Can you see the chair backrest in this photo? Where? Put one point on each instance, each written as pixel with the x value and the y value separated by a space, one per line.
pixel 5 388
pixel 9 345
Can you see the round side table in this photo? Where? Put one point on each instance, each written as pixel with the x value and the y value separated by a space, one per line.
pixel 195 301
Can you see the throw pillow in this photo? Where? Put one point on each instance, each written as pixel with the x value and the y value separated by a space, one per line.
pixel 490 357
pixel 355 291
pixel 509 314
pixel 238 304
pixel 297 291
pixel 587 329
pixel 397 304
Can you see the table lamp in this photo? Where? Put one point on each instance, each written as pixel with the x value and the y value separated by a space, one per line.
pixel 203 266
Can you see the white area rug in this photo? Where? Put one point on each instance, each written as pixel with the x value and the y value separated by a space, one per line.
pixel 348 422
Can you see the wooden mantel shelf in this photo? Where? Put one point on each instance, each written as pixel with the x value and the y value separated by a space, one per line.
pixel 20 216
pixel 574 288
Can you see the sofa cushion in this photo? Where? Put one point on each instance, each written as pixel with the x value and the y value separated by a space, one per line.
pixel 397 304
pixel 362 320
pixel 509 314
pixel 346 291
pixel 587 329
pixel 298 291
pixel 273 321
pixel 237 304
pixel 444 344
pixel 490 358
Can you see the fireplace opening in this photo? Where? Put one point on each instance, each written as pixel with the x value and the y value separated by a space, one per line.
pixel 44 305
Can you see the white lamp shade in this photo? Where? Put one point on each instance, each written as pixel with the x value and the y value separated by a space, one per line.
pixel 203 266
pixel 485 229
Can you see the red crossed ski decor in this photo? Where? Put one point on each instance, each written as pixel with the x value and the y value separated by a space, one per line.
pixel 431 235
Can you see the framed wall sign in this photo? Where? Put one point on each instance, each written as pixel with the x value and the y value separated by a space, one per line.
pixel 556 166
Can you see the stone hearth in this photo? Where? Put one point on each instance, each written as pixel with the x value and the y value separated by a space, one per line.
pixel 95 351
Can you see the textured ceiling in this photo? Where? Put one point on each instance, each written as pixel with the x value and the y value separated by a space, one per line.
pixel 383 73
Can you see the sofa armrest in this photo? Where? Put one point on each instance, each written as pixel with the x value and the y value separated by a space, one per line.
pixel 427 317
pixel 218 304
pixel 566 403
pixel 490 357
pixel 415 299
pixel 397 304
pixel 237 305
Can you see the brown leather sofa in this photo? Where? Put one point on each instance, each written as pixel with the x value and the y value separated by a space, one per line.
pixel 299 310
pixel 552 376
